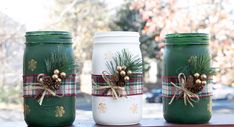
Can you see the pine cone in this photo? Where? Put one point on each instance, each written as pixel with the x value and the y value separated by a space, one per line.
pixel 115 78
pixel 189 82
pixel 197 88
pixel 57 85
pixel 192 86
pixel 47 81
pixel 120 83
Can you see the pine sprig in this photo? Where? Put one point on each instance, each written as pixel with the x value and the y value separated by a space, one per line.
pixel 197 64
pixel 124 58
pixel 59 60
pixel 200 64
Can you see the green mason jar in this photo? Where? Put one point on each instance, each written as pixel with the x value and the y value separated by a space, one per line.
pixel 186 60
pixel 49 53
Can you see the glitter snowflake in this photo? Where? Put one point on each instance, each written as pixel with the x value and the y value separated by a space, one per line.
pixel 134 108
pixel 108 55
pixel 59 112
pixel 32 64
pixel 102 107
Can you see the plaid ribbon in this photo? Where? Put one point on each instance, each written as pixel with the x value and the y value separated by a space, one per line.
pixel 168 90
pixel 69 86
pixel 133 87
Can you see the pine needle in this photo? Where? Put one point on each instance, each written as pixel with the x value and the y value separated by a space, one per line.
pixel 124 58
pixel 199 64
pixel 59 60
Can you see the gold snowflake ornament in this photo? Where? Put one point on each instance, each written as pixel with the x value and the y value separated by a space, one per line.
pixel 26 109
pixel 134 108
pixel 108 55
pixel 32 64
pixel 102 107
pixel 59 112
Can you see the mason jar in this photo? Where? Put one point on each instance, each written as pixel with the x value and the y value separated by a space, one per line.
pixel 107 110
pixel 47 53
pixel 182 52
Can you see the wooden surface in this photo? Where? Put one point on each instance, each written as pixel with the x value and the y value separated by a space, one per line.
pixel 226 120
pixel 217 120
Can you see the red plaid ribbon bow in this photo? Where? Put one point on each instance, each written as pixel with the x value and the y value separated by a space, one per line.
pixel 133 87
pixel 69 86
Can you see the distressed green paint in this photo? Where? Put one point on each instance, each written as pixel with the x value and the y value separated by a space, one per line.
pixel 39 46
pixel 179 48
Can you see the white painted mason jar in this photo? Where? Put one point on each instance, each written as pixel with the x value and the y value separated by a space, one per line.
pixel 106 109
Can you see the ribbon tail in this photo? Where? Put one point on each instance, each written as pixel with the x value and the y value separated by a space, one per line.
pixel 42 98
pixel 196 97
pixel 173 98
pixel 189 100
pixel 185 99
pixel 114 93
pixel 51 92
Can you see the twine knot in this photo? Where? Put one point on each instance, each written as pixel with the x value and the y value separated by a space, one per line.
pixel 112 88
pixel 44 83
pixel 183 91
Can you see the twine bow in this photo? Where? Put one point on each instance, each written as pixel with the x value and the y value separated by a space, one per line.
pixel 187 95
pixel 42 86
pixel 111 89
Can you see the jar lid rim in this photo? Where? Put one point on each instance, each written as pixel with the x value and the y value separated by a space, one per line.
pixel 116 33
pixel 39 33
pixel 181 35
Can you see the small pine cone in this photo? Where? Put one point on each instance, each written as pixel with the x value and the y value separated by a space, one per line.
pixel 47 81
pixel 120 83
pixel 200 88
pixel 52 87
pixel 57 85
pixel 197 88
pixel 115 78
pixel 189 82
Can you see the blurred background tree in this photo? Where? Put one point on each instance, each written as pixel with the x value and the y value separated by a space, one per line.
pixel 129 19
pixel 153 19
pixel 11 43
pixel 82 18
pixel 156 18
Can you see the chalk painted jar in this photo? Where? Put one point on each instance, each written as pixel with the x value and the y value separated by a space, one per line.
pixel 181 49
pixel 44 51
pixel 107 110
